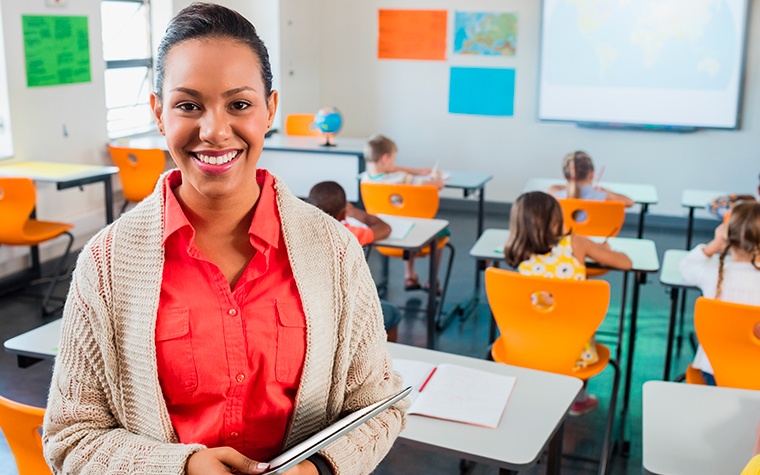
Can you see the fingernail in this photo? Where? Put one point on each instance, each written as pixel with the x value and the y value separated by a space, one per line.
pixel 262 466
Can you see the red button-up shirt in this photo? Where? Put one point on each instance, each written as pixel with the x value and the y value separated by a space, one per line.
pixel 229 361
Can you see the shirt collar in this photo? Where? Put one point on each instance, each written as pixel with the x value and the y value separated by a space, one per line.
pixel 265 225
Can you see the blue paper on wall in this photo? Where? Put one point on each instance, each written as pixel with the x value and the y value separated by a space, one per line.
pixel 482 91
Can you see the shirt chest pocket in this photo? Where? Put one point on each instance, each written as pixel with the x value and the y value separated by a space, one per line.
pixel 177 372
pixel 291 340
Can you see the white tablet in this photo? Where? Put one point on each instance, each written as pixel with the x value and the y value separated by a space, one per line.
pixel 327 436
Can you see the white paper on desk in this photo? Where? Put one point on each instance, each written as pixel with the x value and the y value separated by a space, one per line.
pixel 415 373
pixel 468 395
pixel 400 227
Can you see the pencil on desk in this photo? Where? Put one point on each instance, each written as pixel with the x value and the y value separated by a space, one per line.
pixel 612 233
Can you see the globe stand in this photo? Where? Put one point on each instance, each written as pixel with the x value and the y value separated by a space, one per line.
pixel 328 141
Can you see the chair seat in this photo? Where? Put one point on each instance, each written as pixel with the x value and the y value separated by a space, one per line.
pixel 499 351
pixel 424 252
pixel 694 376
pixel 36 232
pixel 592 272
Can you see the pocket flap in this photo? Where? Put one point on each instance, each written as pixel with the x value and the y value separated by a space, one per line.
pixel 289 313
pixel 172 323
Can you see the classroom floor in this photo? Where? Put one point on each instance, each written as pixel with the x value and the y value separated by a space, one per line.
pixel 19 313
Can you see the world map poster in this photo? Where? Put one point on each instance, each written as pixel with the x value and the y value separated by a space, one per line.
pixel 485 33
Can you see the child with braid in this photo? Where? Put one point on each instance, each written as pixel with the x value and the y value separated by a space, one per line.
pixel 735 280
pixel 579 173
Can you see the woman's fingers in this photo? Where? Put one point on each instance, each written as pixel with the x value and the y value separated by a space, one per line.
pixel 221 460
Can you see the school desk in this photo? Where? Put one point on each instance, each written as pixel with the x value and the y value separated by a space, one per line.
pixel 691 429
pixel 697 199
pixel 36 345
pixel 424 233
pixel 533 418
pixel 642 194
pixel 643 255
pixel 292 158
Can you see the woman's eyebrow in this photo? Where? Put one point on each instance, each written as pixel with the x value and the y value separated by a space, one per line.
pixel 187 90
pixel 232 92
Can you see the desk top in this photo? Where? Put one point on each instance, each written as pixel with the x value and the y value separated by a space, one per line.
pixel 697 430
pixel 536 407
pixel 467 180
pixel 642 252
pixel 419 236
pixel 52 172
pixel 42 342
pixel 640 193
pixel 699 198
pixel 280 142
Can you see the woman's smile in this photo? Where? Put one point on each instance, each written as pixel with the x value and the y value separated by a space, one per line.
pixel 216 162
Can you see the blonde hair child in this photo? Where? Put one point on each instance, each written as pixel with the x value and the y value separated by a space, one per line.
pixel 579 173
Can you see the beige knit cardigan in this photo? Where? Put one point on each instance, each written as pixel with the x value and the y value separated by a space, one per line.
pixel 106 413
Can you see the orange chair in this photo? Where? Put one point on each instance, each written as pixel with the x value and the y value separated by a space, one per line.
pixel 17 201
pixel 551 338
pixel 413 202
pixel 20 425
pixel 725 331
pixel 593 218
pixel 300 124
pixel 139 170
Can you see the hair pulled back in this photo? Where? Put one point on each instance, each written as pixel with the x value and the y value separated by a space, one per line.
pixel 535 226
pixel 576 166
pixel 744 234
pixel 208 20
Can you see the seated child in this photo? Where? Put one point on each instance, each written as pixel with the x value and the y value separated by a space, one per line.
pixel 330 197
pixel 380 159
pixel 579 173
pixel 736 280
pixel 721 205
pixel 538 245
pixel 753 467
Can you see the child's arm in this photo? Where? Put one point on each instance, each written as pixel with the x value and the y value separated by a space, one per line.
pixel 435 180
pixel 380 229
pixel 718 244
pixel 602 253
pixel 611 196
pixel 413 171
pixel 556 188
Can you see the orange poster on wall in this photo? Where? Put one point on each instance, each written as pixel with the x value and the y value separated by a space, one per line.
pixel 412 34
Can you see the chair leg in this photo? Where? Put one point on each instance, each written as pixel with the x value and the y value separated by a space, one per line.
pixel 442 325
pixel 56 276
pixel 607 443
pixel 124 207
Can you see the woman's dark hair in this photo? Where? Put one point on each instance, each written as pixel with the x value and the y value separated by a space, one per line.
pixel 535 227
pixel 208 20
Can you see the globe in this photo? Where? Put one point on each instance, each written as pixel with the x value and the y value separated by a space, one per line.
pixel 328 121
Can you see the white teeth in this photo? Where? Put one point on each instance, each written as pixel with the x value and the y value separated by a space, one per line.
pixel 220 160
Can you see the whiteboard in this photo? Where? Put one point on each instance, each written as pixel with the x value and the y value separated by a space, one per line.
pixel 676 63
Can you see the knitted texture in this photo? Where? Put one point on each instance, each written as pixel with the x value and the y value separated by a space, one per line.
pixel 106 413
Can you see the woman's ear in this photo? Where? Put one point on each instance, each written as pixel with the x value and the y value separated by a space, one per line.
pixel 158 110
pixel 272 103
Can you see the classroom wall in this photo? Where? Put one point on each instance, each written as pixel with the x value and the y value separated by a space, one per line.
pixel 329 57
pixel 38 117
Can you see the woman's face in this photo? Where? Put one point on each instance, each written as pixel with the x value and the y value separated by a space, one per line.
pixel 214 114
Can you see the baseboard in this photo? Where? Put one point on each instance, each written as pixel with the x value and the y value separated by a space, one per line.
pixel 501 210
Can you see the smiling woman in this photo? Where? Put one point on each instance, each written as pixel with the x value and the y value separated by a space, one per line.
pixel 222 320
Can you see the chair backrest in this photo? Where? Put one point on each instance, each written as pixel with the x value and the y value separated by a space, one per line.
pixel 139 170
pixel 400 200
pixel 20 425
pixel 593 218
pixel 300 124
pixel 17 199
pixel 725 331
pixel 547 339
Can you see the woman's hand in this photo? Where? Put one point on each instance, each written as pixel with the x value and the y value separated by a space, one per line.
pixel 223 460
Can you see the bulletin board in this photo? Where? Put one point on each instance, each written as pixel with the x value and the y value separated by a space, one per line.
pixel 57 50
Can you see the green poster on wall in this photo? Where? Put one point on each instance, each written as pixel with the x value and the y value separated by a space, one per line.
pixel 57 50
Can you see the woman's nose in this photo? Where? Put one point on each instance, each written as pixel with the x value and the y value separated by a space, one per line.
pixel 215 128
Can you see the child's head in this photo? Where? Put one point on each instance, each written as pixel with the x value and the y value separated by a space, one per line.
pixel 381 151
pixel 330 198
pixel 743 235
pixel 535 226
pixel 576 166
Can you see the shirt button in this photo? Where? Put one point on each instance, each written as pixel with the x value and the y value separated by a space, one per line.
pixel 240 378
pixel 234 435
pixel 232 312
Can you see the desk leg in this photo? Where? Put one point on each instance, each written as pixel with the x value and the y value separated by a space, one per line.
pixel 109 199
pixel 689 228
pixel 432 293
pixel 621 320
pixel 504 471
pixel 481 206
pixel 26 361
pixel 644 209
pixel 671 329
pixel 35 253
pixel 638 278
pixel 554 460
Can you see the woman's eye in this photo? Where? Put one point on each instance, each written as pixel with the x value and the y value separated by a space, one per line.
pixel 187 106
pixel 240 105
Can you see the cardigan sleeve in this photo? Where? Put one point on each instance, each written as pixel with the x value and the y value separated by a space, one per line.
pixel 697 269
pixel 83 432
pixel 370 378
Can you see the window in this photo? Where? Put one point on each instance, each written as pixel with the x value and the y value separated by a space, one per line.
pixel 127 49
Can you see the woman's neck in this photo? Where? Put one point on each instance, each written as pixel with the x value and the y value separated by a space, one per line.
pixel 228 216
